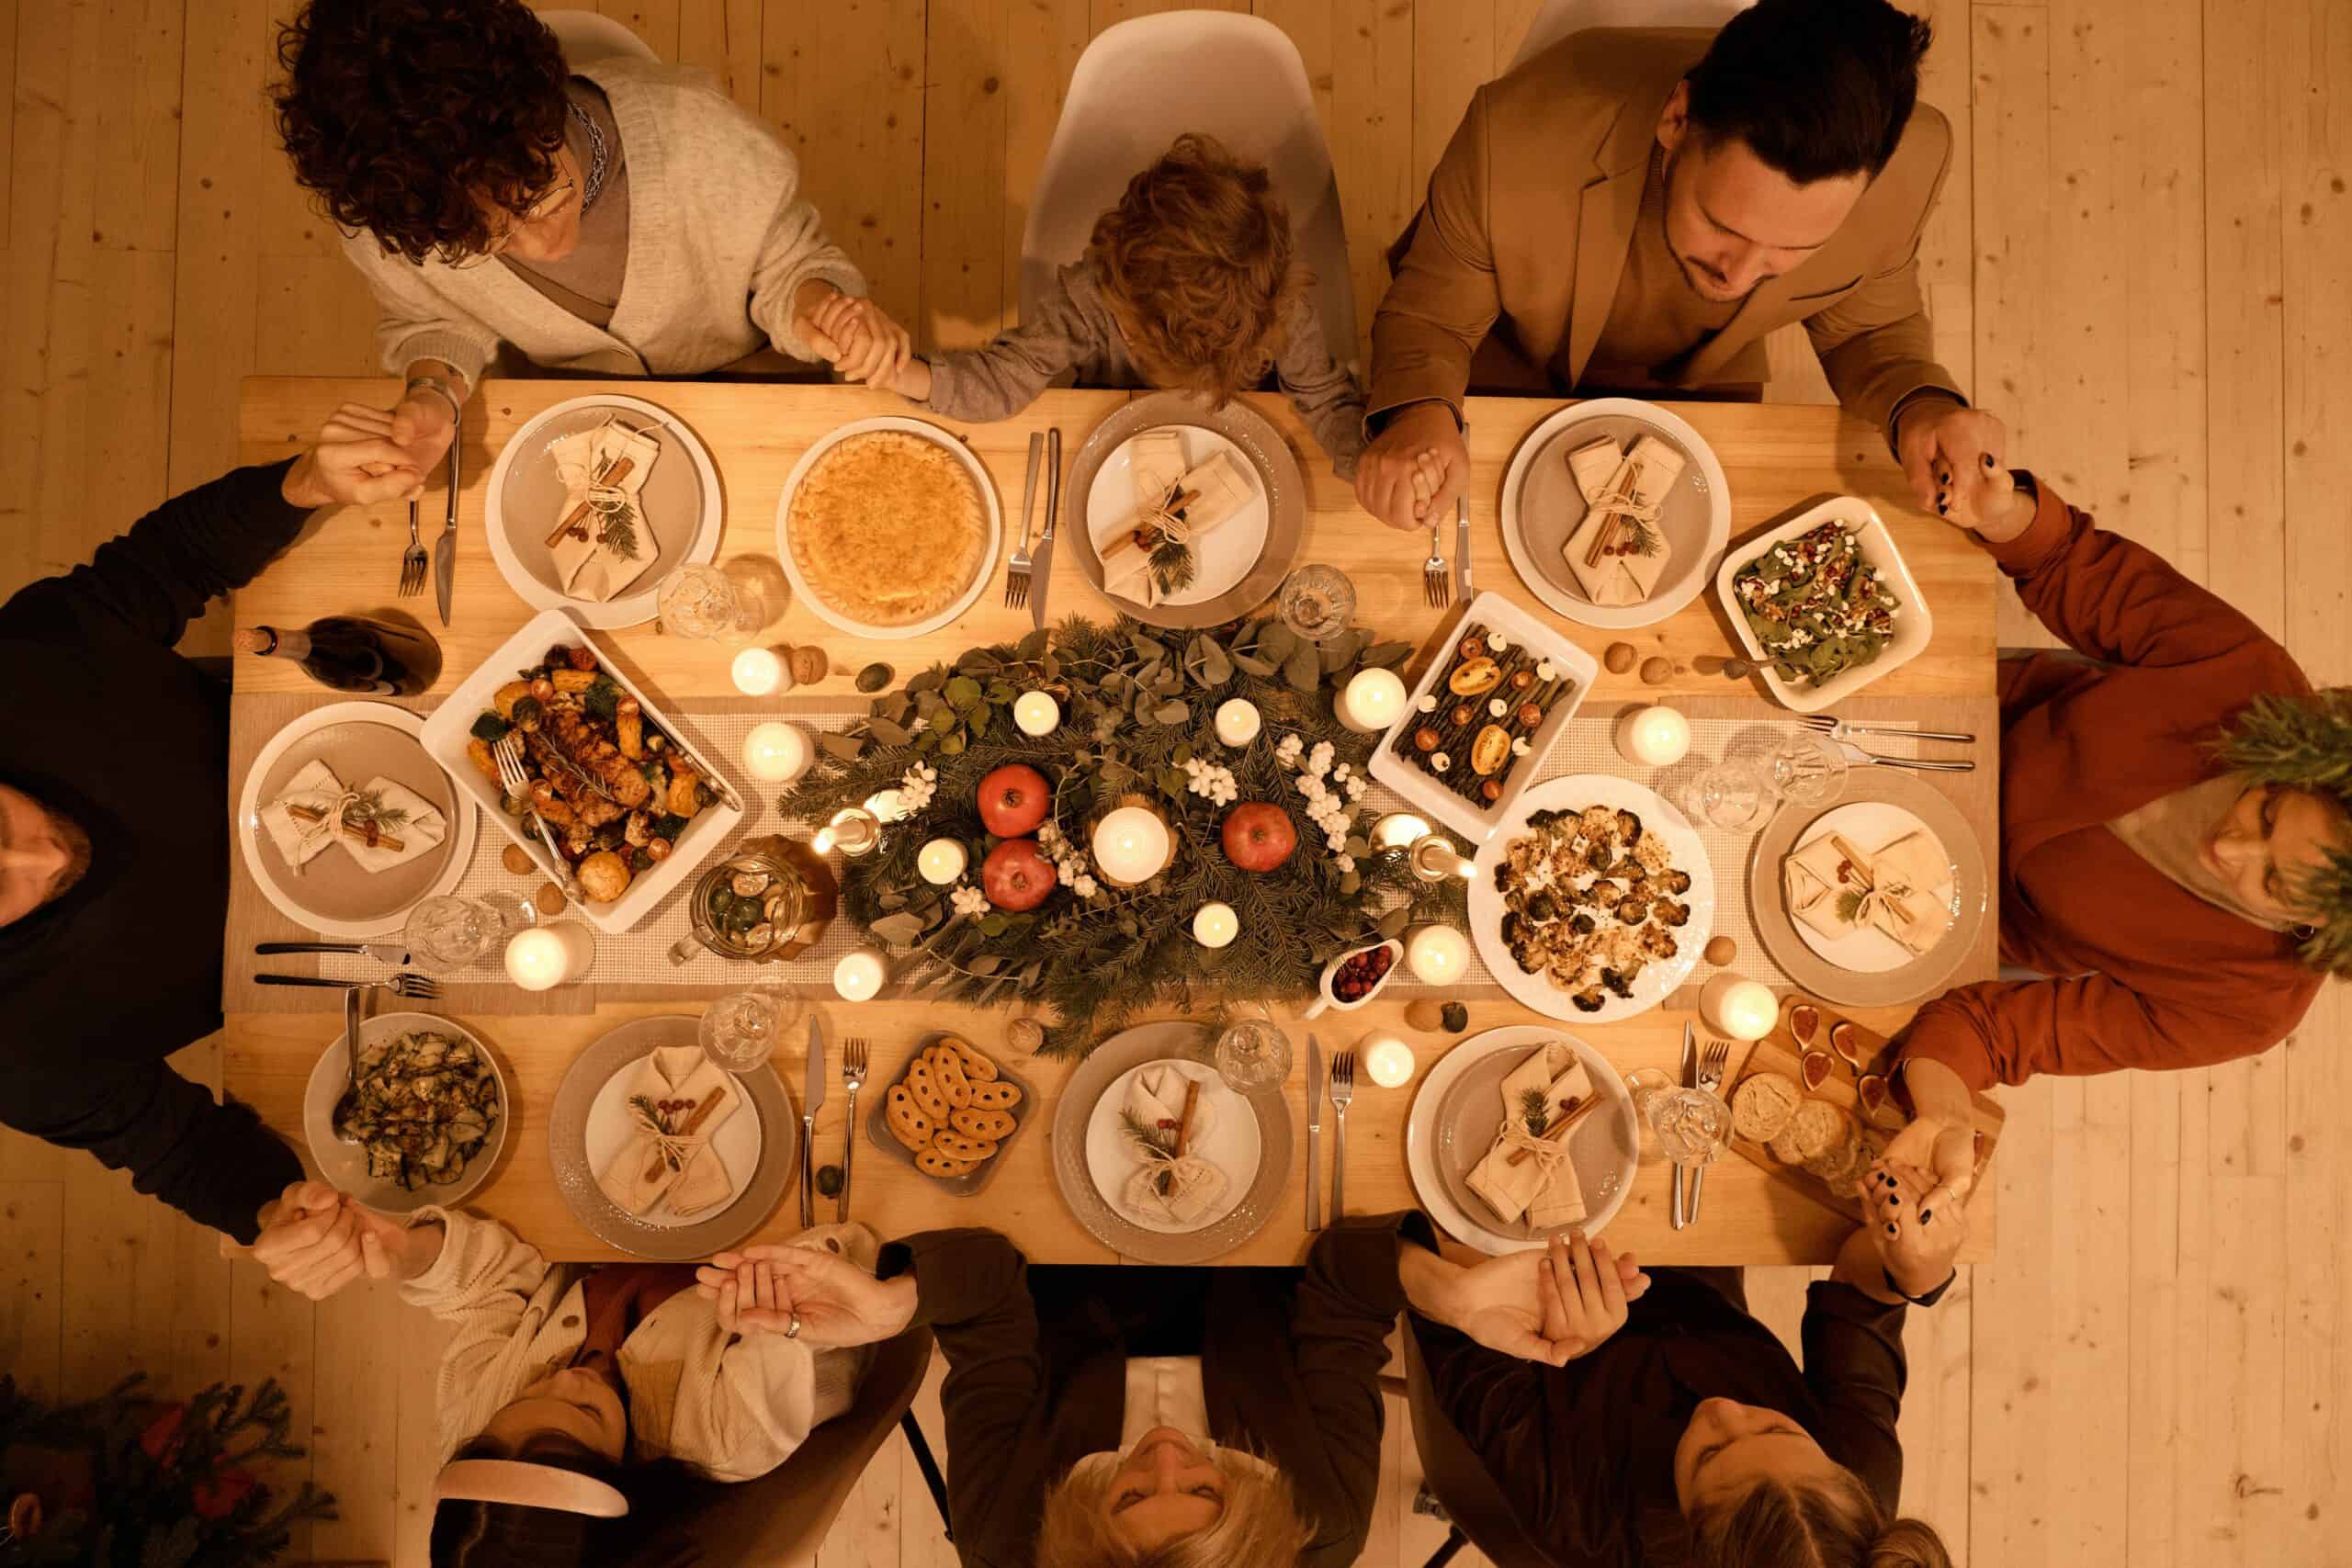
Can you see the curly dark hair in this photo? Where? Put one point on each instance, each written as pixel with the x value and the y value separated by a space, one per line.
pixel 413 119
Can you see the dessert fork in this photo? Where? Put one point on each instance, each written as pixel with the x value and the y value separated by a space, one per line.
pixel 416 987
pixel 1343 1089
pixel 1436 586
pixel 412 563
pixel 853 1078
pixel 1711 1078
pixel 1016 570
pixel 508 753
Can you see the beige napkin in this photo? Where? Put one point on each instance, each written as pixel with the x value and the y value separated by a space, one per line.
pixel 612 545
pixel 404 817
pixel 1125 546
pixel 664 1155
pixel 1181 1191
pixel 1544 1186
pixel 1837 895
pixel 1156 1099
pixel 1155 461
pixel 316 789
pixel 1626 510
pixel 1593 464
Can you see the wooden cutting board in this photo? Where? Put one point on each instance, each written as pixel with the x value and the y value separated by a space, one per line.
pixel 1780 1053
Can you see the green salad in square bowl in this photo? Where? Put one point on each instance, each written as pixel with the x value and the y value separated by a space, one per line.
pixel 1816 606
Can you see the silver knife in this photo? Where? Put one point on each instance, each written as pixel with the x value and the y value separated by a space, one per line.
pixel 812 1095
pixel 445 548
pixel 1044 566
pixel 1676 1217
pixel 381 952
pixel 1314 1127
pixel 1462 539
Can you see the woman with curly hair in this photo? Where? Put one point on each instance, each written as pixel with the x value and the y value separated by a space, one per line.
pixel 625 218
pixel 2176 825
pixel 1190 283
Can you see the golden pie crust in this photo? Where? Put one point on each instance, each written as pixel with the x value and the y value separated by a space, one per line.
pixel 888 528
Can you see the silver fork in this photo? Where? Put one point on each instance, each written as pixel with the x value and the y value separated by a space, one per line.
pixel 1436 586
pixel 412 564
pixel 509 755
pixel 416 987
pixel 853 1079
pixel 1838 730
pixel 1711 1078
pixel 1343 1089
pixel 1016 570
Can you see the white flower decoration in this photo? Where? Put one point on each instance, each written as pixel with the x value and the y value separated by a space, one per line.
pixel 1347 863
pixel 1085 887
pixel 968 900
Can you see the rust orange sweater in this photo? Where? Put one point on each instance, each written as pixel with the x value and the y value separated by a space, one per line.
pixel 2151 976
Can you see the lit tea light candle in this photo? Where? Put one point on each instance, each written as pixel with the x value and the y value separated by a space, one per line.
pixel 1438 956
pixel 1036 712
pixel 858 977
pixel 546 956
pixel 942 861
pixel 1399 831
pixel 1387 1061
pixel 776 751
pixel 1654 737
pixel 1237 722
pixel 852 831
pixel 1131 845
pixel 1372 701
pixel 759 672
pixel 1738 1007
pixel 1215 924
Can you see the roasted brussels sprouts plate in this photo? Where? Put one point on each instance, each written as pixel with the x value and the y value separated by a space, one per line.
pixel 430 1111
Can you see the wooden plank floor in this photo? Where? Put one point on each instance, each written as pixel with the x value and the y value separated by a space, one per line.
pixel 2143 260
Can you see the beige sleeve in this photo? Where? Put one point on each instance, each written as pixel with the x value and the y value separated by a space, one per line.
pixel 485 1285
pixel 795 250
pixel 413 320
pixel 1445 297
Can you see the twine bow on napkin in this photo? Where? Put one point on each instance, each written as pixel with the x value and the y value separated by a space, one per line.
pixel 602 543
pixel 677 1100
pixel 1837 889
pixel 1618 552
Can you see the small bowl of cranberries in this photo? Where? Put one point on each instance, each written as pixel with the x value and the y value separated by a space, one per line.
pixel 1357 975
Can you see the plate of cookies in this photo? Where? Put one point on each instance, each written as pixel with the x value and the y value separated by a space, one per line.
pixel 950 1113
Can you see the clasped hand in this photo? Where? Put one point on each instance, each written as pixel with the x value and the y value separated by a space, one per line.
pixel 1551 1305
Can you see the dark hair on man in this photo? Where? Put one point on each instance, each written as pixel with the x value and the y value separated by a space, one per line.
pixel 1817 88
pixel 406 116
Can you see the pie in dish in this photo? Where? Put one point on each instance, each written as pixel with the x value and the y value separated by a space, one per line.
pixel 888 528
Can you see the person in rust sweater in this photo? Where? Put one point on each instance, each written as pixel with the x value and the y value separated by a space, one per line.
pixel 2175 842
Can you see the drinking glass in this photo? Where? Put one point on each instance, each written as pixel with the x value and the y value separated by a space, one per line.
pixel 1691 1125
pixel 1805 767
pixel 740 1030
pixel 1253 1054
pixel 447 932
pixel 1316 602
pixel 1733 795
pixel 703 603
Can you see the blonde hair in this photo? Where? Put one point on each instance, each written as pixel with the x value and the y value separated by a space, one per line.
pixel 1837 1525
pixel 1260 1524
pixel 1195 264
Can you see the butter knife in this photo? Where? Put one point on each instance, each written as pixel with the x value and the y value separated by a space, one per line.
pixel 381 952
pixel 445 548
pixel 1044 566
pixel 812 1095
pixel 1676 1216
pixel 1313 1128
pixel 1462 548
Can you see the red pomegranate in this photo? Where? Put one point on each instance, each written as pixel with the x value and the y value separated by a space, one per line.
pixel 1017 875
pixel 1258 837
pixel 1014 800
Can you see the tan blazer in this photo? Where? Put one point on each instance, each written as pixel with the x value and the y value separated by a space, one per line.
pixel 1531 209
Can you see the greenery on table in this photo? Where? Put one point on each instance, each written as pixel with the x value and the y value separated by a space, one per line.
pixel 1136 704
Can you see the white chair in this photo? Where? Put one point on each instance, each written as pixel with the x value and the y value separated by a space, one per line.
pixel 587 37
pixel 1142 83
pixel 1560 18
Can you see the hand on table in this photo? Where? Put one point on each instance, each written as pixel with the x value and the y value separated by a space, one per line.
pixel 357 460
pixel 763 1289
pixel 316 1240
pixel 859 339
pixel 1421 443
pixel 1550 1306
pixel 1916 1224
pixel 423 425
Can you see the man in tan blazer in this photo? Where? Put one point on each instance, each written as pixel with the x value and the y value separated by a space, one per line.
pixel 1636 209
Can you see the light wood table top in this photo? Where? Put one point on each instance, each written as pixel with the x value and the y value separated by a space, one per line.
pixel 1776 459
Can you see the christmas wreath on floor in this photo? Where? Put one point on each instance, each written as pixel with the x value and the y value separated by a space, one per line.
pixel 1137 722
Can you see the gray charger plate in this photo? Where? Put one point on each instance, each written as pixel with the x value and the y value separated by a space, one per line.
pixel 1467 1118
pixel 877 1124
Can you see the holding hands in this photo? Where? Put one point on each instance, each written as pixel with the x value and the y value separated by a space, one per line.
pixel 820 1298
pixel 315 1240
pixel 1916 1224
pixel 858 338
pixel 1956 460
pixel 359 459
pixel 1551 1305
pixel 1411 472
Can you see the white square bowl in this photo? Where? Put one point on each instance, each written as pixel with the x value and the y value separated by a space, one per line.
pixel 451 724
pixel 1914 627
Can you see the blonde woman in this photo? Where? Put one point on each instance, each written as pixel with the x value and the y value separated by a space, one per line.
pixel 1173 1417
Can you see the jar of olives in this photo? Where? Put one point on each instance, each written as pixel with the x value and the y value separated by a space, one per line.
pixel 770 900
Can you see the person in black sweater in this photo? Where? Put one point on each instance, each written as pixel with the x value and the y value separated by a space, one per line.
pixel 114 865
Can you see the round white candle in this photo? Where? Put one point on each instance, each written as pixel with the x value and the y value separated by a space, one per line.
pixel 1131 845
pixel 942 861
pixel 546 956
pixel 1738 1007
pixel 1388 1062
pixel 758 672
pixel 858 977
pixel 1215 924
pixel 776 751
pixel 1654 737
pixel 1372 701
pixel 1036 712
pixel 1438 956
pixel 1237 722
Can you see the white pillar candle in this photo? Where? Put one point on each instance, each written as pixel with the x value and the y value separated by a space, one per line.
pixel 1237 722
pixel 942 861
pixel 1438 956
pixel 1036 712
pixel 1387 1061
pixel 858 977
pixel 758 672
pixel 1215 924
pixel 546 956
pixel 1131 845
pixel 776 751
pixel 1739 1008
pixel 1654 737
pixel 1373 700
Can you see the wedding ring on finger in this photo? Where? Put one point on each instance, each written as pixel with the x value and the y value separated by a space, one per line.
pixel 792 1330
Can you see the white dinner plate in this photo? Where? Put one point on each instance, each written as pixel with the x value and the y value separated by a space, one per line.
pixel 1232 1145
pixel 1868 826
pixel 1225 556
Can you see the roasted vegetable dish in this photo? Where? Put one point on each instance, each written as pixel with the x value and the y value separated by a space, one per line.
pixel 1475 728
pixel 613 789
pixel 423 1106
pixel 1816 605
pixel 1590 899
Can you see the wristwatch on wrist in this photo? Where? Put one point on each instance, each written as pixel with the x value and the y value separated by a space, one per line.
pixel 1929 1300
pixel 438 384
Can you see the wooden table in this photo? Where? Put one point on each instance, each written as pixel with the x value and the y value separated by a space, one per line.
pixel 1777 460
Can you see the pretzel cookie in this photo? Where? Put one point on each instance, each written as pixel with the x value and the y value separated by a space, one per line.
pixel 1002 1095
pixel 908 1124
pixel 931 1097
pixel 989 1126
pixel 977 1066
pixel 931 1162
pixel 948 1068
pixel 956 1145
